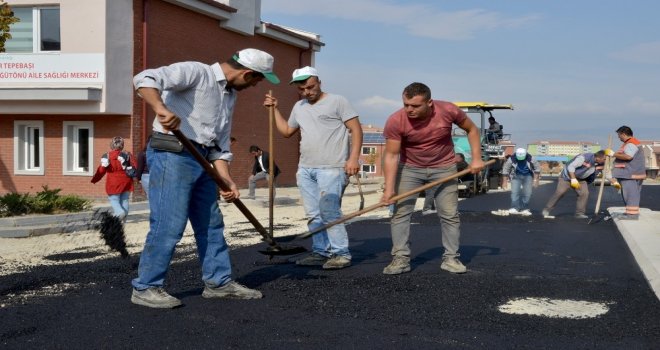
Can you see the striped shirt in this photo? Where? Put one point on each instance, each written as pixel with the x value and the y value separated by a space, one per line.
pixel 197 93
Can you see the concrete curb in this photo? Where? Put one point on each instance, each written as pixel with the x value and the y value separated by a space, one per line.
pixel 643 239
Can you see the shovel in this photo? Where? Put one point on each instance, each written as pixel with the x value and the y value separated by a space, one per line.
pixel 395 198
pixel 357 178
pixel 273 247
pixel 598 217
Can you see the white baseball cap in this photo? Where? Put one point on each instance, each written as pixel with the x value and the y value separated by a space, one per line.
pixel 302 74
pixel 258 61
pixel 521 153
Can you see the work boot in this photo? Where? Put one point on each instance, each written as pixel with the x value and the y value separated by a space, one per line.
pixel 453 265
pixel 399 264
pixel 581 216
pixel 154 297
pixel 314 259
pixel 337 262
pixel 231 290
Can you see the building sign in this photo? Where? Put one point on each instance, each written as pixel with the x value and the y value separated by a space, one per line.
pixel 52 68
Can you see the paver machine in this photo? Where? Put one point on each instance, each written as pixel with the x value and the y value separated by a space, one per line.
pixel 491 147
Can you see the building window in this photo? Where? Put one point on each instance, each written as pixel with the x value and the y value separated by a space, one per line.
pixel 77 148
pixel 37 31
pixel 29 147
pixel 368 150
pixel 367 168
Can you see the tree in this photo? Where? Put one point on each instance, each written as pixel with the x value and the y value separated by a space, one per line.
pixel 371 158
pixel 7 18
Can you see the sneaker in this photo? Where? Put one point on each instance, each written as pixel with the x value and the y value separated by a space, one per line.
pixel 628 217
pixel 545 213
pixel 429 211
pixel 581 216
pixel 453 265
pixel 398 265
pixel 231 290
pixel 314 259
pixel 155 297
pixel 526 212
pixel 337 262
pixel 514 211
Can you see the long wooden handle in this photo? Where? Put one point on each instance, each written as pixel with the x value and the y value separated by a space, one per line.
pixel 218 180
pixel 357 179
pixel 602 178
pixel 395 198
pixel 271 166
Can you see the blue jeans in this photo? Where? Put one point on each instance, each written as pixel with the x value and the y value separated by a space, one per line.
pixel 144 180
pixel 521 191
pixel 119 204
pixel 446 203
pixel 180 190
pixel 321 190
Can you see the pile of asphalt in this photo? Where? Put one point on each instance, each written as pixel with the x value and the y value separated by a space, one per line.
pixel 86 305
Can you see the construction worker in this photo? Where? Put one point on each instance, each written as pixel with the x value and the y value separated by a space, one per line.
pixel 523 171
pixel 419 150
pixel 577 174
pixel 629 171
pixel 198 100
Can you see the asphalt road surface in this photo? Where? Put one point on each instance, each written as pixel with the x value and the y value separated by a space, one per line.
pixel 510 260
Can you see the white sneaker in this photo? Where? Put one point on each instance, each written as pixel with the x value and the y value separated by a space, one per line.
pixel 526 212
pixel 453 265
pixel 514 211
pixel 429 211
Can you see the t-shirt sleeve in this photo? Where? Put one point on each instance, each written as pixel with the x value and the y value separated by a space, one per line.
pixel 458 114
pixel 344 109
pixel 630 149
pixel 392 130
pixel 293 121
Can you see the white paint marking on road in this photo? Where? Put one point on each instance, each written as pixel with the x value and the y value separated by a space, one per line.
pixel 554 308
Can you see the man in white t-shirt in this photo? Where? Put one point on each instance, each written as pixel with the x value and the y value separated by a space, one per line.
pixel 330 143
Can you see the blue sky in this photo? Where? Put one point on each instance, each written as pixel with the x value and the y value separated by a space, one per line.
pixel 574 70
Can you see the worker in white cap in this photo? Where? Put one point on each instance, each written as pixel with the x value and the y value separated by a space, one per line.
pixel 198 99
pixel 330 146
pixel 523 171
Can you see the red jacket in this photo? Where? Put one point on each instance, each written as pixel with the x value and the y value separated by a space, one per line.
pixel 118 182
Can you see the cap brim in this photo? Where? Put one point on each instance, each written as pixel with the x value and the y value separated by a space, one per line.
pixel 300 78
pixel 271 77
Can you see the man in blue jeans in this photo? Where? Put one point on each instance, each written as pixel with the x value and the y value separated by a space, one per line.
pixel 197 99
pixel 419 150
pixel 327 124
pixel 523 171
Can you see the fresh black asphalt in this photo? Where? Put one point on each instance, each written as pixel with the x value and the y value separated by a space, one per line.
pixel 359 307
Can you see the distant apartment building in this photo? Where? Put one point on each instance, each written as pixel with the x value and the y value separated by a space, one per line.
pixel 66 82
pixel 373 146
pixel 564 149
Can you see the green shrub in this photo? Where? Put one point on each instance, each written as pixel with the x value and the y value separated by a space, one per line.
pixel 46 201
pixel 14 204
pixel 73 203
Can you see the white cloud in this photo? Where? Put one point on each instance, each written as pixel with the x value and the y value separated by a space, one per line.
pixel 379 102
pixel 640 53
pixel 417 20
